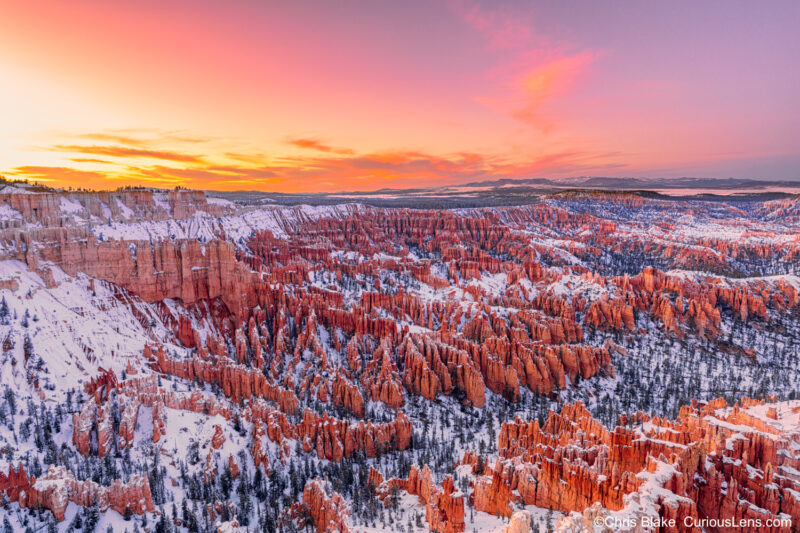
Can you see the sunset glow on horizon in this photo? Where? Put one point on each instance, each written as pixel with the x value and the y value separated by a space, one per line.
pixel 344 96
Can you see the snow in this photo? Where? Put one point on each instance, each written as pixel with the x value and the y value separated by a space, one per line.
pixel 69 206
pixel 572 284
pixel 219 201
pixel 162 201
pixel 8 213
pixel 184 426
pixel 19 188
pixel 126 211
pixel 74 329
pixel 236 227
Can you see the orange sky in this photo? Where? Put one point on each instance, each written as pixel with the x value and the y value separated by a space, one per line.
pixel 331 96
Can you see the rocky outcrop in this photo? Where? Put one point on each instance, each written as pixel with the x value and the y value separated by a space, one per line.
pixel 347 395
pixel 93 428
pixel 54 208
pixel 714 461
pixel 322 508
pixel 305 334
pixel 444 506
pixel 382 378
pixel 57 488
pixel 335 439
pixel 520 522
pixel 218 439
pixel 677 301
pixel 259 448
pixel 82 422
pixel 237 381
pixel 13 484
pixel 188 270
pixel 127 423
pixel 101 385
pixel 331 438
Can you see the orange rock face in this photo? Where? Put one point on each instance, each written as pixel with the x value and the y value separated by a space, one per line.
pixel 444 506
pixel 676 300
pixel 330 438
pixel 132 394
pixel 347 395
pixel 676 469
pixel 237 382
pixel 14 483
pixel 188 270
pixel 321 507
pixel 382 378
pixel 218 439
pixel 57 488
pixel 47 208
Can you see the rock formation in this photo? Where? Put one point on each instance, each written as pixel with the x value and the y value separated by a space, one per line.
pixel 713 461
pixel 324 509
pixel 58 487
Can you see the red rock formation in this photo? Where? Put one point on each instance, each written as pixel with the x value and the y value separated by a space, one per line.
pixel 127 424
pixel 444 506
pixel 218 439
pixel 82 422
pixel 159 421
pixel 335 439
pixel 237 382
pixel 188 270
pixel 675 300
pixel 433 365
pixel 347 395
pixel 321 507
pixel 210 469
pixel 14 483
pixel 58 487
pixel 104 431
pixel 573 461
pixel 331 438
pixel 233 467
pixel 101 385
pixel 131 394
pixel 52 208
pixel 382 378
pixel 258 449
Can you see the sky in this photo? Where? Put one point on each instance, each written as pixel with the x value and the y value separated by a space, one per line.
pixel 321 96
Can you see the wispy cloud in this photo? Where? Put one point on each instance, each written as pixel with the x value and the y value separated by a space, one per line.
pixel 138 137
pixel 321 166
pixel 503 29
pixel 61 176
pixel 317 144
pixel 90 160
pixel 127 152
pixel 532 70
pixel 546 82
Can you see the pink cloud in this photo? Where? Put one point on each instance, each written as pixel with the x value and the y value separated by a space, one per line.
pixel 505 30
pixel 547 82
pixel 316 144
pixel 534 71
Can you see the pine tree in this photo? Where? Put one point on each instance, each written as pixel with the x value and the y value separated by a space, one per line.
pixel 11 400
pixel 4 312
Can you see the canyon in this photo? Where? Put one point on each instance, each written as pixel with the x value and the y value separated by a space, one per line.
pixel 170 356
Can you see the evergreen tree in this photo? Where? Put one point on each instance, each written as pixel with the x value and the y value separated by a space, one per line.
pixel 4 312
